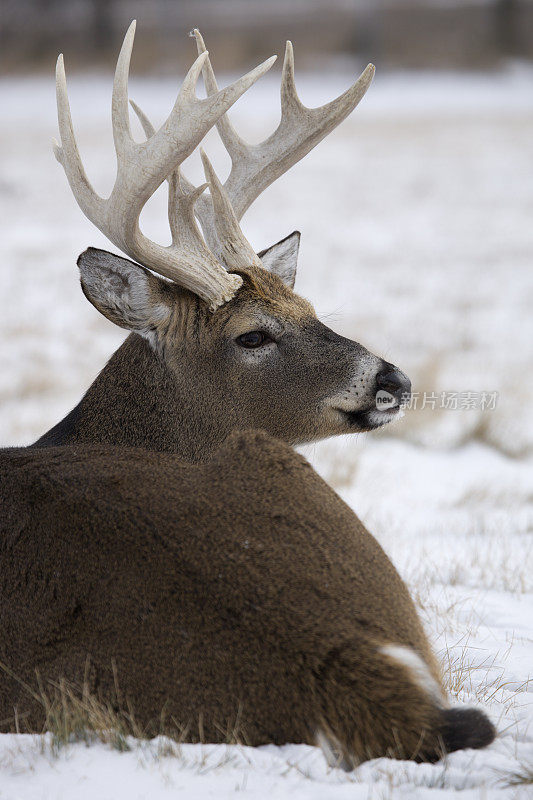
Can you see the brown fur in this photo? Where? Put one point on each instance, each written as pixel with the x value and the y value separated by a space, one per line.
pixel 186 386
pixel 244 585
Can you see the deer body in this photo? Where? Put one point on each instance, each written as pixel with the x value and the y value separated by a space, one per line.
pixel 158 530
pixel 242 592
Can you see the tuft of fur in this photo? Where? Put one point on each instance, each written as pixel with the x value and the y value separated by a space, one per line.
pixel 419 670
pixel 462 728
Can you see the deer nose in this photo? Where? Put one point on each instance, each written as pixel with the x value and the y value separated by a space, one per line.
pixel 393 381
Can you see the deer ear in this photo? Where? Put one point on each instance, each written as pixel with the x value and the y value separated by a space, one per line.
pixel 124 292
pixel 282 258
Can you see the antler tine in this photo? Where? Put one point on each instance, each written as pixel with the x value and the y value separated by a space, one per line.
pixel 236 147
pixel 120 118
pixel 67 152
pixel 181 208
pixel 142 167
pixel 231 139
pixel 235 251
pixel 187 241
pixel 288 93
pixel 147 126
pixel 255 167
pixel 329 115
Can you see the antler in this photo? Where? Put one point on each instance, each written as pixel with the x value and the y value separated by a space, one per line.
pixel 230 245
pixel 142 167
pixel 255 167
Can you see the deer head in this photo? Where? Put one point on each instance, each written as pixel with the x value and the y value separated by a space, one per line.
pixel 238 347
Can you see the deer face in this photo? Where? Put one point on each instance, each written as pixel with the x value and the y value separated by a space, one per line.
pixel 262 360
pixel 289 373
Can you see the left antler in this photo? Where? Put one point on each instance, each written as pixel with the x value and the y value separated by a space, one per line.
pixel 255 166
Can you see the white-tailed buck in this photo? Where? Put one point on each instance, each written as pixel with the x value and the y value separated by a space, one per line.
pixel 154 533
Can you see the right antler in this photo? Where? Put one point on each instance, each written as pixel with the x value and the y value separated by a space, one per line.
pixel 255 166
pixel 142 167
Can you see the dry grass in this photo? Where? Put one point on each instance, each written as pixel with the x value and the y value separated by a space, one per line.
pixel 458 672
pixel 522 777
pixel 72 713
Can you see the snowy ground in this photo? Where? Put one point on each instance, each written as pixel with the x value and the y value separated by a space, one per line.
pixel 417 241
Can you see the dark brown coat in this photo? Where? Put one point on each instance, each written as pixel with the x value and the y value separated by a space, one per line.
pixel 243 586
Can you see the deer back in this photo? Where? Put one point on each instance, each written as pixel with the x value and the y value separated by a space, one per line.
pixel 205 592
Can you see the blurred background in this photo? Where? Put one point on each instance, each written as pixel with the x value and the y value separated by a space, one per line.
pixel 417 34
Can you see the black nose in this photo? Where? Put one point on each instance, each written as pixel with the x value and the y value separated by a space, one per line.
pixel 393 381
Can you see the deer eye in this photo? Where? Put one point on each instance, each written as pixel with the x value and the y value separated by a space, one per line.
pixel 253 339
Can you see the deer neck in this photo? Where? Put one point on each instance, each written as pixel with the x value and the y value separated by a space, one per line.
pixel 137 402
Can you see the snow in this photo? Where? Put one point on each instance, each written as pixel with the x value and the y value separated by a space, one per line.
pixel 417 241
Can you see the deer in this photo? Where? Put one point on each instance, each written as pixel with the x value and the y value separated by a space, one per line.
pixel 166 531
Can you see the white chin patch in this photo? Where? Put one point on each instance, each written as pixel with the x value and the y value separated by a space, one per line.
pixel 379 418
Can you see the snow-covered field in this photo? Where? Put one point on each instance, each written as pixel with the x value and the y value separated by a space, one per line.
pixel 417 229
